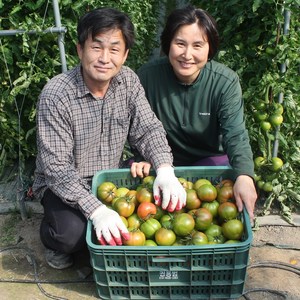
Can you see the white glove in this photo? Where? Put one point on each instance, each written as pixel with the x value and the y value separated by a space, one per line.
pixel 167 190
pixel 108 226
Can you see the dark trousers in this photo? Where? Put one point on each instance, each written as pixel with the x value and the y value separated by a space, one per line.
pixel 63 228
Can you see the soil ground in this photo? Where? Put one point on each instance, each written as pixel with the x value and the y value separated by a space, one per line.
pixel 22 261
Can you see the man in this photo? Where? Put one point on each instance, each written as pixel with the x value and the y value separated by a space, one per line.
pixel 84 118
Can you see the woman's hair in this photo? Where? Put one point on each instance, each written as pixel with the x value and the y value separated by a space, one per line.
pixel 103 19
pixel 187 16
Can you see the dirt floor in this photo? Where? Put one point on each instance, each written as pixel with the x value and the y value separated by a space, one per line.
pixel 274 264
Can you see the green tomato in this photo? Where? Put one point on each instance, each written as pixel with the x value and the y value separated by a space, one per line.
pixel 265 125
pixel 278 108
pixel 276 119
pixel 277 163
pixel 267 187
pixel 150 227
pixel 260 116
pixel 259 161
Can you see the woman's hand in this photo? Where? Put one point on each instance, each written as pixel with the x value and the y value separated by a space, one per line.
pixel 245 194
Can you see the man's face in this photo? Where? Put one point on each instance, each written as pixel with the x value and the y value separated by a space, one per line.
pixel 102 58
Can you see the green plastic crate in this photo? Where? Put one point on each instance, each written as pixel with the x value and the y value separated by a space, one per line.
pixel 163 272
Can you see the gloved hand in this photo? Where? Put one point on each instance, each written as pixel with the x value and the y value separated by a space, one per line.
pixel 108 226
pixel 167 190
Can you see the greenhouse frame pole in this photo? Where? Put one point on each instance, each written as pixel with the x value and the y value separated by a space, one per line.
pixel 286 28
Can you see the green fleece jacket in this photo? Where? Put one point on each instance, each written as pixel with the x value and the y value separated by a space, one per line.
pixel 203 119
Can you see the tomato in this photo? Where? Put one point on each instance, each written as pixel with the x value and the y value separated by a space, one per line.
pixel 124 220
pixel 277 163
pixel 260 184
pixel 214 234
pixel 261 105
pixel 203 218
pixel 134 221
pixel 146 210
pixel 227 211
pixel 166 221
pixel 165 237
pixel 159 213
pixel 278 108
pixel 212 207
pixel 150 243
pixel 192 200
pixel 144 195
pixel 259 161
pixel 260 116
pixel 276 119
pixel 225 193
pixel 136 238
pixel 225 182
pixel 183 182
pixel 183 224
pixel 199 238
pixel 207 192
pixel 106 191
pixel 233 229
pixel 268 187
pixel 232 242
pixel 131 194
pixel 199 182
pixel 265 125
pixel 148 181
pixel 121 191
pixel 124 207
pixel 190 185
pixel 150 227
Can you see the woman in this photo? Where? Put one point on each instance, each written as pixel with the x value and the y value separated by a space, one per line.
pixel 199 101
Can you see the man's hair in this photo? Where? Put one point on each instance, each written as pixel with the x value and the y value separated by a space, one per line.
pixel 187 16
pixel 103 19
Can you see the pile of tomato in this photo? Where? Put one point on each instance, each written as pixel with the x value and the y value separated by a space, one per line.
pixel 209 217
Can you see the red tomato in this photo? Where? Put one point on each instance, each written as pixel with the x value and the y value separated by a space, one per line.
pixel 146 210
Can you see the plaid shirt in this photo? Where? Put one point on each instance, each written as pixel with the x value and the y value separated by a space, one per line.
pixel 78 134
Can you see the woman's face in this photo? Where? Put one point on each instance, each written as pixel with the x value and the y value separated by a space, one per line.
pixel 188 52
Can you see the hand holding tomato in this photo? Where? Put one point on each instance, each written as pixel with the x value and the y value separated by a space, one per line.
pixel 109 226
pixel 167 190
pixel 245 194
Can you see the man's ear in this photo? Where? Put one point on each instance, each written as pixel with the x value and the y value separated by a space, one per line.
pixel 79 50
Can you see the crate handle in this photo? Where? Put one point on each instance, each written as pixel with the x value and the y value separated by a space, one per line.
pixel 169 259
